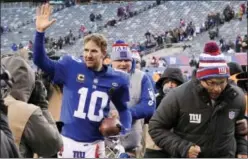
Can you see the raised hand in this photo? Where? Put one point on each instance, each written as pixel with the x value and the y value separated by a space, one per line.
pixel 42 17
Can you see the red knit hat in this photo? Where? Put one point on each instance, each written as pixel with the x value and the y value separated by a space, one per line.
pixel 212 63
pixel 212 48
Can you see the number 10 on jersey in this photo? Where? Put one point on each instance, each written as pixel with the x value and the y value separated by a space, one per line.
pixel 80 112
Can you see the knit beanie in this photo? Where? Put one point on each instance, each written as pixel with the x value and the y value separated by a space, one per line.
pixel 121 51
pixel 212 63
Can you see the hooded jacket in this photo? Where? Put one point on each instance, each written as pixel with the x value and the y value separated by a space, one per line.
pixel 8 148
pixel 27 121
pixel 195 120
pixel 169 73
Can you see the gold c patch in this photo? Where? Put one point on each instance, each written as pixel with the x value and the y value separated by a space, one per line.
pixel 80 78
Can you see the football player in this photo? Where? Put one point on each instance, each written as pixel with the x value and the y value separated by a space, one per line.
pixel 88 87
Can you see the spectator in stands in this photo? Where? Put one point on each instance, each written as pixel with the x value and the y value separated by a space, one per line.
pixel 245 44
pixel 154 61
pixel 92 17
pixel 99 17
pixel 231 48
pixel 60 43
pixel 194 129
pixel 14 47
pixel 212 34
pixel 182 23
pixel 143 62
pixel 20 46
pixel 121 13
pixel 240 13
pixel 161 62
pixel 33 127
pixel 238 44
pixel 223 45
pixel 148 36
pixel 243 8
pixel 158 2
pixel 160 40
pixel 228 13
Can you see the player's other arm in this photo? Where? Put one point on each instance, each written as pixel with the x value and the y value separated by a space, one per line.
pixel 56 70
pixel 42 23
pixel 40 56
pixel 146 106
pixel 120 98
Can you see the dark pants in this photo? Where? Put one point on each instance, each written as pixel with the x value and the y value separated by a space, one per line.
pixel 156 154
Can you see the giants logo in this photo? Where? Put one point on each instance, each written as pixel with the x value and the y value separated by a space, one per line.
pixel 222 70
pixel 195 118
pixel 78 154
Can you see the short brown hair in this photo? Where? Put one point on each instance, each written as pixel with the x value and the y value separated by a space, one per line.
pixel 99 39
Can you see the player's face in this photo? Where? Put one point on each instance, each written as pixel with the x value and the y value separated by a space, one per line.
pixel 93 56
pixel 124 65
pixel 214 86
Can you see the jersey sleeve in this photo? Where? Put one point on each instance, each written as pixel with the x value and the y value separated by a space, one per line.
pixel 61 69
pixel 120 98
pixel 146 105
pixel 56 70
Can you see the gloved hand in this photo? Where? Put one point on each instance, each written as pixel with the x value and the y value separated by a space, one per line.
pixel 38 96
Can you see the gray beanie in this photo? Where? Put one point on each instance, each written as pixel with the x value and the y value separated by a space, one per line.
pixel 121 51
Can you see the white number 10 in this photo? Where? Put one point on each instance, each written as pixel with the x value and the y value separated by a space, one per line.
pixel 92 106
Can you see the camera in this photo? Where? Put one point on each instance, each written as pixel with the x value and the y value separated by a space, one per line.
pixel 6 82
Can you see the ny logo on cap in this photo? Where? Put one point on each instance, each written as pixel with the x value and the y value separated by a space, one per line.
pixel 123 54
pixel 222 70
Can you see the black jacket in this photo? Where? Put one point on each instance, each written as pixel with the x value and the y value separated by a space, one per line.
pixel 171 73
pixel 8 148
pixel 189 111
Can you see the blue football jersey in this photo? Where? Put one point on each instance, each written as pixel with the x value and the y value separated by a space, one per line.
pixel 86 97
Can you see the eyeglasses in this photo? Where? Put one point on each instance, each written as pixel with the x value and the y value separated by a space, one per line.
pixel 213 84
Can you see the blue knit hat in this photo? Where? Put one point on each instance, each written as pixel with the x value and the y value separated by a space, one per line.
pixel 121 51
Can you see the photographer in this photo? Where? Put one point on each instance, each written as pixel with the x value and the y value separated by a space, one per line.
pixel 7 148
pixel 28 112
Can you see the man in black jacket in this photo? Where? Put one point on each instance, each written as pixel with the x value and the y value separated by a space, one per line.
pixel 203 113
pixel 171 78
